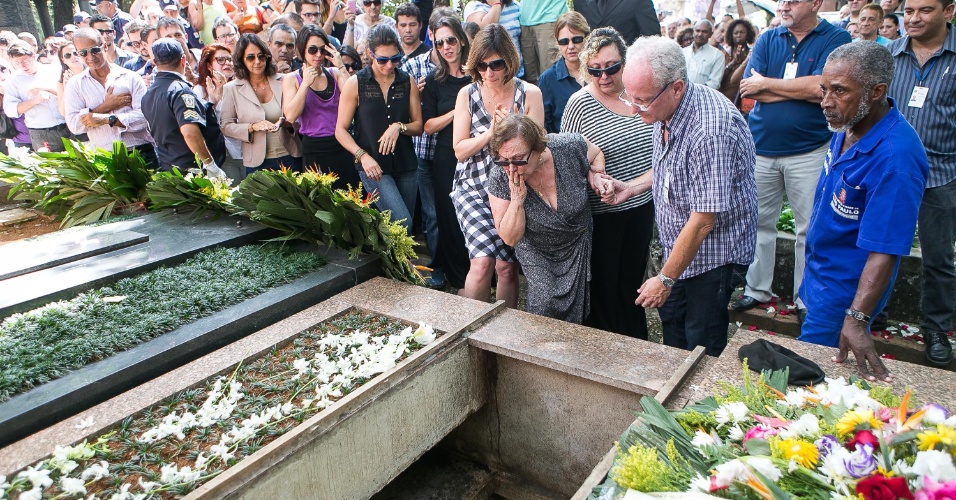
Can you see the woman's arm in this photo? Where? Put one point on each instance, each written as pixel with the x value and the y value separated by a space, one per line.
pixel 438 123
pixel 229 119
pixel 293 97
pixel 509 219
pixel 534 103
pixel 465 145
pixel 415 126
pixel 489 17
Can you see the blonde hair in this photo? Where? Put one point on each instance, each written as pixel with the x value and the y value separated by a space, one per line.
pixel 572 20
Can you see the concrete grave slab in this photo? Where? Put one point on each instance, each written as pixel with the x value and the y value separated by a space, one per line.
pixel 35 254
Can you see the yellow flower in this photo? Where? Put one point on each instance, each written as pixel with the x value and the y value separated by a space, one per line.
pixel 943 435
pixel 639 468
pixel 857 419
pixel 803 452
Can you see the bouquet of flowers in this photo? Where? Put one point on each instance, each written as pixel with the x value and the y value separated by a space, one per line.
pixel 839 440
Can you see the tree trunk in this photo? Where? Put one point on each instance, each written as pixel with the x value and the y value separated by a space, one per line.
pixel 46 23
pixel 62 13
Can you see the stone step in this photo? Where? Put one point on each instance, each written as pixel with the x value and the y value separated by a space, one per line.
pixel 17 216
pixel 887 344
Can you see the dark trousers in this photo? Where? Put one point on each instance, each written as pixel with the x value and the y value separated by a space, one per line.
pixel 620 246
pixel 52 137
pixel 148 153
pixel 327 155
pixel 452 255
pixel 696 314
pixel 937 232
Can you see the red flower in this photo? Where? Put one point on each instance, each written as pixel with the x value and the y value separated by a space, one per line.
pixel 879 487
pixel 863 437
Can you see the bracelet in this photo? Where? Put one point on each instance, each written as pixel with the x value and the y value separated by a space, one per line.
pixel 358 154
pixel 401 128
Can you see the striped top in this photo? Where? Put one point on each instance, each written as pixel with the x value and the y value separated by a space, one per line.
pixel 508 19
pixel 935 122
pixel 626 141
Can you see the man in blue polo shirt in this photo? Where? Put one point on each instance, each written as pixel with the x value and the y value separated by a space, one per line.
pixel 865 209
pixel 789 131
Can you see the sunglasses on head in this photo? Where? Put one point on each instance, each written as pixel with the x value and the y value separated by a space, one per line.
pixel 452 41
pixel 517 163
pixel 368 3
pixel 610 70
pixel 91 51
pixel 574 39
pixel 397 58
pixel 314 49
pixel 496 65
pixel 262 56
pixel 222 59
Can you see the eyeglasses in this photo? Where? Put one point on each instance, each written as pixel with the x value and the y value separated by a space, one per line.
pixel 310 15
pixel 91 51
pixel 643 107
pixel 574 39
pixel 610 70
pixel 68 55
pixel 368 3
pixel 452 41
pixel 134 44
pixel 314 49
pixel 222 59
pixel 354 66
pixel 517 163
pixel 496 65
pixel 385 60
pixel 788 3
pixel 262 56
pixel 226 36
pixel 106 32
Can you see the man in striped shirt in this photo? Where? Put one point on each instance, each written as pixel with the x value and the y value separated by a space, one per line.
pixel 924 88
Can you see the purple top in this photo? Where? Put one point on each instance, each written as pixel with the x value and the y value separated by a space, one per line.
pixel 23 133
pixel 319 115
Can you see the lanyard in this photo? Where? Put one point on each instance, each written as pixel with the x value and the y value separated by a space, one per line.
pixel 793 47
pixel 921 75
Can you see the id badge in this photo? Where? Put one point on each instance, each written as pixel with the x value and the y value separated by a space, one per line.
pixel 667 187
pixel 790 72
pixel 918 97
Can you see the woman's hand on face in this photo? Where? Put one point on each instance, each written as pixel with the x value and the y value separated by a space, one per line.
pixel 386 143
pixel 519 190
pixel 333 56
pixel 309 75
pixel 371 168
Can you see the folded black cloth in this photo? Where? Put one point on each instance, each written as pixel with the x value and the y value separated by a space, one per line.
pixel 763 355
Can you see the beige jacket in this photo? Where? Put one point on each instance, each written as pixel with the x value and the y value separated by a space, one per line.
pixel 241 108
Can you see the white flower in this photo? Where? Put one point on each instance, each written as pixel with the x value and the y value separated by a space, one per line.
pixel 123 493
pixel 937 465
pixel 795 398
pixel 287 408
pixel 731 413
pixel 85 423
pixel 735 433
pixel 834 465
pixel 34 494
pixel 807 426
pixel 39 478
pixel 3 485
pixel 96 472
pixel 729 472
pixel 702 439
pixel 771 310
pixel 766 467
pixel 424 335
pixel 838 391
pixel 935 414
pixel 72 486
pixel 148 486
pixel 700 483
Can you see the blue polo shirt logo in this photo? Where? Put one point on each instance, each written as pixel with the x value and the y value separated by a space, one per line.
pixel 841 208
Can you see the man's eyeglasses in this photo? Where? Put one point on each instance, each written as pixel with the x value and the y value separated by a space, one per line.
pixel 385 60
pixel 787 3
pixel 262 56
pixel 496 65
pixel 226 36
pixel 642 107
pixel 134 44
pixel 106 32
pixel 368 3
pixel 314 49
pixel 574 39
pixel 91 51
pixel 222 59
pixel 452 41
pixel 610 70
pixel 518 163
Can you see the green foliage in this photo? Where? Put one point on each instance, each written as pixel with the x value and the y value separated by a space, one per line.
pixel 174 190
pixel 304 206
pixel 884 395
pixel 44 344
pixel 639 468
pixel 81 185
pixel 786 222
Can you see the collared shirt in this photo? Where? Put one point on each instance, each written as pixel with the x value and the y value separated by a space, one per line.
pixel 791 127
pixel 123 57
pixel 867 200
pixel 707 166
pixel 935 122
pixel 136 63
pixel 120 19
pixel 557 86
pixel 882 40
pixel 705 65
pixel 420 66
pixel 541 11
pixel 169 103
pixel 84 92
pixel 18 87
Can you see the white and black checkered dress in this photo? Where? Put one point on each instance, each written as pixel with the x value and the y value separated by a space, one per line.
pixel 470 190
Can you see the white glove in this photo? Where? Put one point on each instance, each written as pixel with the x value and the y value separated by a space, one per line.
pixel 213 170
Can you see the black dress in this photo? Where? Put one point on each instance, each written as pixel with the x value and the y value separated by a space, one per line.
pixel 451 256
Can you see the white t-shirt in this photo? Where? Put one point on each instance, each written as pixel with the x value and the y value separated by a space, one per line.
pixel 362 28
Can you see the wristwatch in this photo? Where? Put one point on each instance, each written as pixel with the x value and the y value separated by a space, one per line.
pixel 112 120
pixel 857 315
pixel 668 282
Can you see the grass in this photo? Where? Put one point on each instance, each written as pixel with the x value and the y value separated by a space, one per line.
pixel 44 344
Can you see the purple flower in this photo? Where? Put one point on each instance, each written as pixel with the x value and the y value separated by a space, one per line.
pixel 860 463
pixel 935 414
pixel 826 444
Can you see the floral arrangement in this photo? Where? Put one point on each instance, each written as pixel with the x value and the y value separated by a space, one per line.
pixel 173 190
pixel 838 440
pixel 177 445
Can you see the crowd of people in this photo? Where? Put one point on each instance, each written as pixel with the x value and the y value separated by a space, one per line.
pixel 524 137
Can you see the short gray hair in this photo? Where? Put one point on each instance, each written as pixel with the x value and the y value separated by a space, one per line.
pixel 707 23
pixel 89 34
pixel 873 62
pixel 281 27
pixel 663 55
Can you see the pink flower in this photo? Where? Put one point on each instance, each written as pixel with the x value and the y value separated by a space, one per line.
pixel 760 432
pixel 936 491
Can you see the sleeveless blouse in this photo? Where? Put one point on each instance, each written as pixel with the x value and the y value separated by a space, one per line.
pixel 375 113
pixel 319 114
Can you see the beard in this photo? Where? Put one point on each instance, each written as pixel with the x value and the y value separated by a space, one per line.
pixel 861 111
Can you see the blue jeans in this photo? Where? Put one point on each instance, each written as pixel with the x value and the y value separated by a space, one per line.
pixel 288 161
pixel 427 195
pixel 696 314
pixel 397 192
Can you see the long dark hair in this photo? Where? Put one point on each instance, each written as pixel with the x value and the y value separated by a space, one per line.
pixel 454 24
pixel 59 55
pixel 239 65
pixel 302 39
pixel 205 62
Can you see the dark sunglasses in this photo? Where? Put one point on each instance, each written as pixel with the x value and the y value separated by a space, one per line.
pixel 68 55
pixel 496 65
pixel 452 41
pixel 368 3
pixel 574 39
pixel 610 70
pixel 91 51
pixel 517 163
pixel 314 49
pixel 354 66
pixel 222 59
pixel 106 32
pixel 262 56
pixel 385 60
